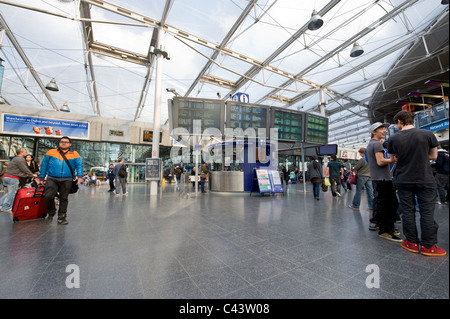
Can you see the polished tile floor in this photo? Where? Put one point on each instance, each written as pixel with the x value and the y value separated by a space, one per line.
pixel 214 246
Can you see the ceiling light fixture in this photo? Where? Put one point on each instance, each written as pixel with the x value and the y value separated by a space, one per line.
pixel 444 2
pixel 357 50
pixel 65 107
pixel 315 22
pixel 52 86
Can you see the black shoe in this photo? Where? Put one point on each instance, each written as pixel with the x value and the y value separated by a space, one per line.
pixel 62 221
pixel 49 219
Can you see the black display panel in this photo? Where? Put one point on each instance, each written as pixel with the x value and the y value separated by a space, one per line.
pixel 244 116
pixel 316 129
pixel 187 110
pixel 330 149
pixel 289 124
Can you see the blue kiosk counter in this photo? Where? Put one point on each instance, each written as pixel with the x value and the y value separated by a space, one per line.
pixel 236 171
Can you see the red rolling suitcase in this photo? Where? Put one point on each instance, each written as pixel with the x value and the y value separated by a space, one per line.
pixel 29 203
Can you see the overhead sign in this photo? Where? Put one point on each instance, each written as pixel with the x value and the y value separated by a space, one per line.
pixel 45 127
pixel 241 97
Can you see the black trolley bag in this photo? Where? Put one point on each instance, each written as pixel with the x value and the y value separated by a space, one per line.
pixel 29 204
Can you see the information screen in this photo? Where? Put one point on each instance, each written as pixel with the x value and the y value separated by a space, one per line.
pixel 316 129
pixel 211 113
pixel 153 169
pixel 289 124
pixel 244 116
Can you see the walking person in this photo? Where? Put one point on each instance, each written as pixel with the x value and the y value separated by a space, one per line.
pixel 315 176
pixel 336 171
pixel 59 177
pixel 16 169
pixel 441 165
pixel 385 204
pixel 111 178
pixel 347 170
pixel 363 181
pixel 413 149
pixel 121 174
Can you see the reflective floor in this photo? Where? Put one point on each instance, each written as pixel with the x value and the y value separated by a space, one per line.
pixel 214 246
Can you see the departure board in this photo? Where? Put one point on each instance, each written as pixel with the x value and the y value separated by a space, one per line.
pixel 211 113
pixel 316 129
pixel 244 116
pixel 289 124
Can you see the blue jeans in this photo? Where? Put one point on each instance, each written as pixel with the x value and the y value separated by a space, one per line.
pixel 426 197
pixel 360 183
pixel 121 181
pixel 316 189
pixel 7 200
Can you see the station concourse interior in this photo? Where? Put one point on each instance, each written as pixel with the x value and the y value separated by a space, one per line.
pixel 162 84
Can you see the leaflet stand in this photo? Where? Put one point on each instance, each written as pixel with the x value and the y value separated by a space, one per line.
pixel 277 184
pixel 262 181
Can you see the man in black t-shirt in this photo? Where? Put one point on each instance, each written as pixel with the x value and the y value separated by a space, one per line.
pixel 413 149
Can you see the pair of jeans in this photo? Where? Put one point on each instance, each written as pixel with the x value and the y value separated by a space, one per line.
pixel 7 200
pixel 442 185
pixel 335 185
pixel 316 189
pixel 426 198
pixel 62 188
pixel 385 206
pixel 363 181
pixel 202 184
pixel 121 181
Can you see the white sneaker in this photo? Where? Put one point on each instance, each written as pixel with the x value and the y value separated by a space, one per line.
pixel 339 194
pixel 117 194
pixel 125 194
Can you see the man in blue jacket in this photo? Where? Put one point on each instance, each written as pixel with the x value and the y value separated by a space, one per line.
pixel 59 177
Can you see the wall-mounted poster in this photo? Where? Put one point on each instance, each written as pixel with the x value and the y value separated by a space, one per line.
pixel 45 127
pixel 152 169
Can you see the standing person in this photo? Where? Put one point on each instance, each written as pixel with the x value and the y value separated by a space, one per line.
pixel 31 163
pixel 385 203
pixel 336 174
pixel 16 169
pixel 441 165
pixel 363 181
pixel 413 149
pixel 315 176
pixel 178 171
pixel 121 173
pixel 59 177
pixel 203 172
pixel 347 170
pixel 111 178
pixel 4 167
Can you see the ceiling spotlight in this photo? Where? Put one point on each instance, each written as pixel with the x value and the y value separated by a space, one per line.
pixel 357 50
pixel 315 22
pixel 52 86
pixel 65 107
pixel 444 2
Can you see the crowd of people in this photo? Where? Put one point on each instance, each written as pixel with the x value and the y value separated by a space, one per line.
pixel 401 178
pixel 407 176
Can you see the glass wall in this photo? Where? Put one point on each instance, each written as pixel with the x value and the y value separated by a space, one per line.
pixel 94 154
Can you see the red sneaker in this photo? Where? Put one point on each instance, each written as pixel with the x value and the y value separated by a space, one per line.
pixel 412 247
pixel 433 251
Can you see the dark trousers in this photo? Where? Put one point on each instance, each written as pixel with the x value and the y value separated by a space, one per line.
pixel 426 198
pixel 52 187
pixel 111 184
pixel 335 185
pixel 202 183
pixel 385 205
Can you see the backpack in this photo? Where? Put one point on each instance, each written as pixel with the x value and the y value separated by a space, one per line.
pixel 123 171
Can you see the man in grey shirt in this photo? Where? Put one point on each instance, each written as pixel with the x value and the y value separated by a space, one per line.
pixel 385 202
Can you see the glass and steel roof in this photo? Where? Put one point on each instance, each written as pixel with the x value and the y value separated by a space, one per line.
pixel 101 55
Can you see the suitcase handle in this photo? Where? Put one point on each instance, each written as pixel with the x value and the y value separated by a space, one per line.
pixel 39 191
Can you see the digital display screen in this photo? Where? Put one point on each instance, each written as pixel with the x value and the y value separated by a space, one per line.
pixel 327 149
pixel 244 116
pixel 289 124
pixel 316 129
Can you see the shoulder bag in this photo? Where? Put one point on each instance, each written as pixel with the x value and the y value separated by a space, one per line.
pixel 353 177
pixel 74 187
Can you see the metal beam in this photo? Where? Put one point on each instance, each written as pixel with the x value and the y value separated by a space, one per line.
pixel 27 62
pixel 222 45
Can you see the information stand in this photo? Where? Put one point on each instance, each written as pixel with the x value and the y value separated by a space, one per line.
pixel 152 169
pixel 277 184
pixel 267 182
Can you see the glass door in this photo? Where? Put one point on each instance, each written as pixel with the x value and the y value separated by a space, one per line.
pixel 136 173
